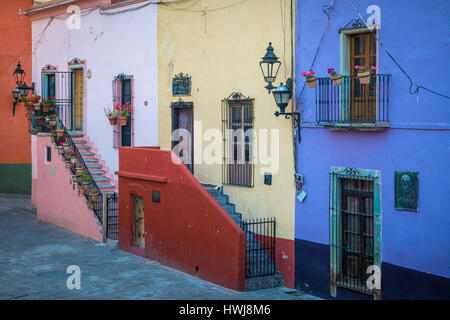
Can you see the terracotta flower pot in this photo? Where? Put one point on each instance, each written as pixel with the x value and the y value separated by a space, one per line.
pixel 46 107
pixel 68 164
pixel 59 133
pixel 94 195
pixel 37 106
pixel 60 149
pixel 123 121
pixel 66 147
pixel 337 79
pixel 112 120
pixel 364 77
pixel 40 120
pixel 51 123
pixel 29 107
pixel 311 82
pixel 79 171
pixel 73 160
pixel 81 189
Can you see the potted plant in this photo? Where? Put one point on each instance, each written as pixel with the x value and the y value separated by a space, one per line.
pixel 123 112
pixel 27 103
pixel 336 78
pixel 94 195
pixel 51 120
pixel 48 103
pixel 53 134
pixel 111 115
pixel 59 133
pixel 73 156
pixel 79 171
pixel 67 146
pixel 60 147
pixel 83 181
pixel 39 117
pixel 310 78
pixel 364 73
pixel 67 161
pixel 35 98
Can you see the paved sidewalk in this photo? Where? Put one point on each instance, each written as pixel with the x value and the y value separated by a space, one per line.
pixel 34 257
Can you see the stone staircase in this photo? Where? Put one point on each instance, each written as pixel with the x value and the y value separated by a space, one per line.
pixel 256 278
pixel 97 168
pixel 103 179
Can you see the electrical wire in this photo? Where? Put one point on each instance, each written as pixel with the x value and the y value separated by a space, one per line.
pixel 200 10
pixel 412 83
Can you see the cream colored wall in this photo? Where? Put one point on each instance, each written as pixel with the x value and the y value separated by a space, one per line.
pixel 219 43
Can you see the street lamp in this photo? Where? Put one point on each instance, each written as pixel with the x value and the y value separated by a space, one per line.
pixel 22 88
pixel 283 93
pixel 268 64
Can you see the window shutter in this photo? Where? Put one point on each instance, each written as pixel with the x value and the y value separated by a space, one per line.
pixel 117 100
pixel 132 111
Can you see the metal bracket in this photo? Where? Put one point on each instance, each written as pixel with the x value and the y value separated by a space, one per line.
pixel 295 116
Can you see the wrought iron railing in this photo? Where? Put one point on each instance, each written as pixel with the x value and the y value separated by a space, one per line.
pixel 348 100
pixel 260 255
pixel 351 229
pixel 111 225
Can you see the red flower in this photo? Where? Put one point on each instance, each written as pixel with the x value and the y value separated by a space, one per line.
pixel 330 70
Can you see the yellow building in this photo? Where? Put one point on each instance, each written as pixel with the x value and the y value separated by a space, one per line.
pixel 219 44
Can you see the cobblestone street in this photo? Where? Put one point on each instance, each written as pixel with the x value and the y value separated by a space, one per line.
pixel 34 257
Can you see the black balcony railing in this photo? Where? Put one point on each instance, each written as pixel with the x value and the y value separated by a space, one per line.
pixel 353 102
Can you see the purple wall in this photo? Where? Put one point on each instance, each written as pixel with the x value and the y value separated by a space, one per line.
pixel 416 34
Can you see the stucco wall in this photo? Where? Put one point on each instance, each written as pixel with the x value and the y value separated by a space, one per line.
pixel 57 200
pixel 15 153
pixel 220 47
pixel 110 44
pixel 417 139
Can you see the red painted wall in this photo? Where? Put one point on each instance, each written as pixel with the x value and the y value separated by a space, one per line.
pixel 15 35
pixel 188 228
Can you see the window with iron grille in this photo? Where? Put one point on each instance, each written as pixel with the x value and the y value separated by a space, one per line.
pixel 237 124
pixel 355 228
pixel 123 94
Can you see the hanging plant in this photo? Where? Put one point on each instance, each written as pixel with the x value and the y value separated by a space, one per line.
pixel 310 78
pixel 94 195
pixel 364 74
pixel 48 103
pixel 336 78
pixel 123 112
pixel 111 115
pixel 39 117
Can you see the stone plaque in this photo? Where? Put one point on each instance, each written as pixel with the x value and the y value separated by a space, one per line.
pixel 181 85
pixel 406 186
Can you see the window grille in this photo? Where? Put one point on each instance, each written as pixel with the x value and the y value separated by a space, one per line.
pixel 237 127
pixel 123 89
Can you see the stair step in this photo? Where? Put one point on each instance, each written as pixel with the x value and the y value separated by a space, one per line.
pixel 101 179
pixel 87 154
pixel 79 141
pixel 106 186
pixel 264 282
pixel 98 172
pixel 82 147
pixel 222 200
pixel 90 160
pixel 94 166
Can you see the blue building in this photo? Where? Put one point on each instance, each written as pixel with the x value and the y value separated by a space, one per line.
pixel 374 151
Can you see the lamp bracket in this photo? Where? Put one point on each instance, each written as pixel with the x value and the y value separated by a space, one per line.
pixel 295 116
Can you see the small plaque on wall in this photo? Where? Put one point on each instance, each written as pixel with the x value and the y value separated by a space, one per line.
pixel 406 190
pixel 181 85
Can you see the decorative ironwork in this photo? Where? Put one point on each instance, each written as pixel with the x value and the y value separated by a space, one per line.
pixel 112 216
pixel 406 190
pixel 354 24
pixel 353 102
pixel 181 85
pixel 237 96
pixel 260 256
pixel 75 61
pixel 181 104
pixel 48 67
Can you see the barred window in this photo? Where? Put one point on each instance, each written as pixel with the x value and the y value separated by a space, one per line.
pixel 122 94
pixel 237 124
pixel 354 228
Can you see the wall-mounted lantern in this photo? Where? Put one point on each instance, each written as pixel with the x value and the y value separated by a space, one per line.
pixel 22 88
pixel 283 93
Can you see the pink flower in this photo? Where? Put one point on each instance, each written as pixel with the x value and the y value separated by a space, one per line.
pixel 311 73
pixel 373 68
pixel 330 70
pixel 357 67
pixel 304 73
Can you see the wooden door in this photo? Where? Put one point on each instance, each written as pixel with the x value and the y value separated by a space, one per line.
pixel 183 118
pixel 363 96
pixel 78 99
pixel 139 226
